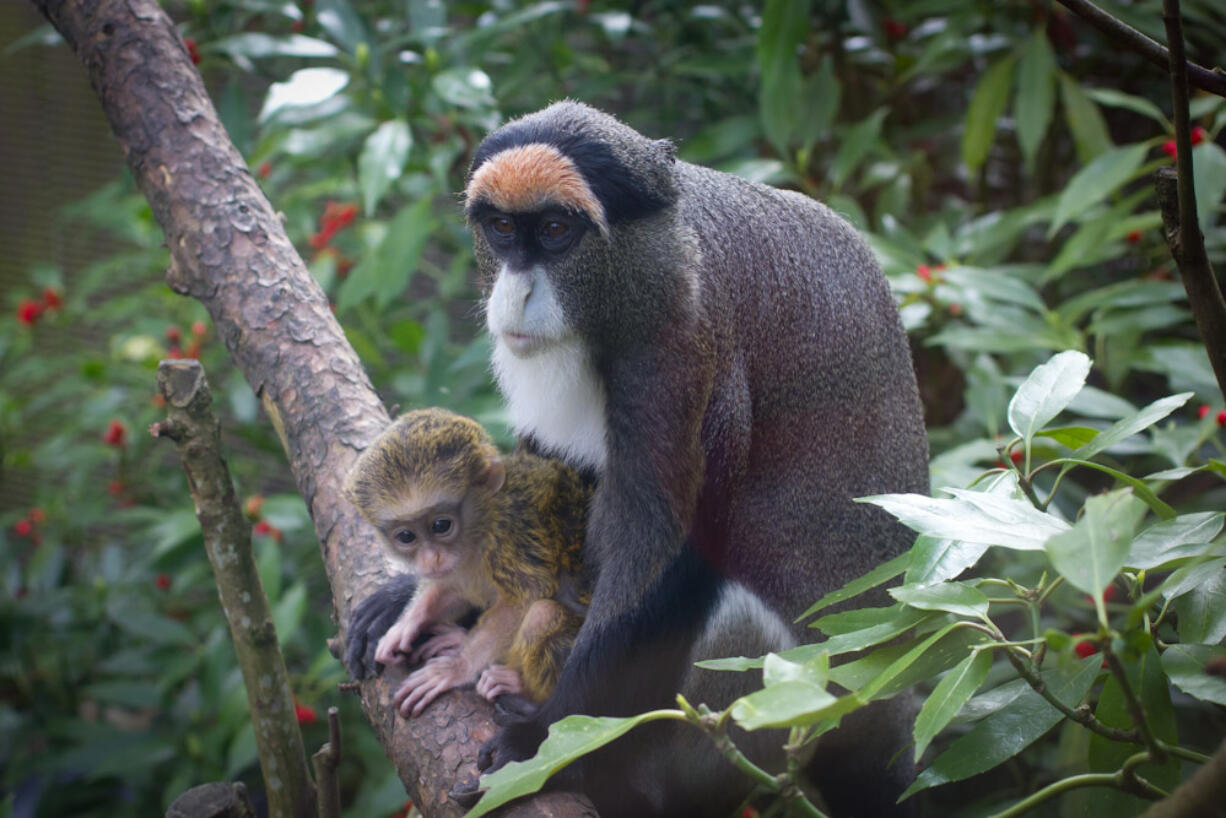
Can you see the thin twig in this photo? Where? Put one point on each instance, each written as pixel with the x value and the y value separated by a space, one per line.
pixel 1082 716
pixel 1212 80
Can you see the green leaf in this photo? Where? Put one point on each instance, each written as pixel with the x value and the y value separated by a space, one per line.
pixel 386 273
pixel 382 160
pixel 1091 554
pixel 1085 121
pixel 822 93
pixel 1129 426
pixel 1202 611
pixel 1096 181
pixel 568 739
pixel 951 597
pixel 1209 170
pixel 936 560
pixel 287 616
pixel 987 104
pixel 792 703
pixel 1185 536
pixel 306 87
pixel 973 517
pixel 1036 94
pixel 342 23
pixel 881 574
pixel 1187 667
pixel 855 145
pixel 1046 392
pixel 256 45
pixel 951 693
pixel 1187 578
pixel 776 669
pixel 1011 729
pixel 464 87
pixel 1072 437
pixel 934 657
pixel 851 641
pixel 1139 105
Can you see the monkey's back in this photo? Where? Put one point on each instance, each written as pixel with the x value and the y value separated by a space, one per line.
pixel 804 322
pixel 539 530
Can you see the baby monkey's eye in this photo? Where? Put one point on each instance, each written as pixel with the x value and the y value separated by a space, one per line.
pixel 405 536
pixel 441 526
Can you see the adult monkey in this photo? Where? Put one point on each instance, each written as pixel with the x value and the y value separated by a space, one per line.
pixel 729 361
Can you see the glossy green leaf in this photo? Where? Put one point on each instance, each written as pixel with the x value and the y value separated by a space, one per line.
pixel 1202 610
pixel 568 739
pixel 948 697
pixel 1091 554
pixel 1129 426
pixel 1187 578
pixel 936 560
pixel 464 87
pixel 257 45
pixel 987 104
pixel 851 641
pixel 1139 105
pixel 792 703
pixel 382 160
pixel 305 87
pixel 1209 170
pixel 950 597
pixel 881 574
pixel 1036 94
pixel 856 145
pixel 1011 729
pixel 1046 392
pixel 974 517
pixel 1184 536
pixel 1105 174
pixel 1187 667
pixel 776 670
pixel 934 656
pixel 856 619
pixel 1085 121
pixel 1072 437
pixel 341 22
pixel 385 274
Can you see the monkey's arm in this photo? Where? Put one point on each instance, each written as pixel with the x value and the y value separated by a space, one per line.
pixel 371 619
pixel 488 641
pixel 433 602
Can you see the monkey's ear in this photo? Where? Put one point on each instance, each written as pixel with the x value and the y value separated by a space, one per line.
pixel 493 475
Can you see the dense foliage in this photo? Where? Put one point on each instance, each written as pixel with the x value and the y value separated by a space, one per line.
pixel 997 156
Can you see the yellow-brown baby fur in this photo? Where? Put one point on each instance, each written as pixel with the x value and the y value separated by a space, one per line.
pixel 529 177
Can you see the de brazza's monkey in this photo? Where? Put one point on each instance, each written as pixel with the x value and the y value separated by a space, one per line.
pixel 728 360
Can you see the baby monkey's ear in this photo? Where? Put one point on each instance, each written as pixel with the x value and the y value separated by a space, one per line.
pixel 494 474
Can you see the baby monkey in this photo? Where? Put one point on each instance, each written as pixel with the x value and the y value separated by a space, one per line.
pixel 501 535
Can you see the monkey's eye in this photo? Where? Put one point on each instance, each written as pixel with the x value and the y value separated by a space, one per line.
pixel 405 536
pixel 501 226
pixel 554 229
pixel 441 526
pixel 556 234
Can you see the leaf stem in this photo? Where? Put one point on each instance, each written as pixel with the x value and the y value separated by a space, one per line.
pixel 1123 779
pixel 1141 723
pixel 1081 714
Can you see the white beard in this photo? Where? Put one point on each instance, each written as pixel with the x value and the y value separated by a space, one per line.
pixel 555 396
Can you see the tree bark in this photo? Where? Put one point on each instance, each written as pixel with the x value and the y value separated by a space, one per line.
pixel 230 252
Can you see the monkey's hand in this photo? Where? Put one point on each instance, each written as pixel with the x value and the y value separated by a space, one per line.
pixel 370 621
pixel 446 640
pixel 429 681
pixel 397 643
pixel 499 680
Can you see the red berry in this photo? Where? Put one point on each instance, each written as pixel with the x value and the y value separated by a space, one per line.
pixel 1085 648
pixel 199 328
pixel 114 488
pixel 264 169
pixel 319 241
pixel 1109 592
pixel 1168 147
pixel 1198 135
pixel 749 812
pixel 297 26
pixel 1221 417
pixel 174 351
pixel 52 299
pixel 162 582
pixel 192 51
pixel 893 28
pixel 955 309
pixel 37 515
pixel 23 528
pixel 1017 455
pixel 263 527
pixel 115 434
pixel 304 714
pixel 1134 236
pixel 1203 412
pixel 924 272
pixel 173 334
pixel 29 311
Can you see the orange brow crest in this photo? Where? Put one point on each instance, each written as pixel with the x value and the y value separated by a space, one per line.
pixel 530 177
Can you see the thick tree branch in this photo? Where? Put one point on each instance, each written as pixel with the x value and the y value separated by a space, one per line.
pixel 227 539
pixel 229 250
pixel 1201 796
pixel 1213 81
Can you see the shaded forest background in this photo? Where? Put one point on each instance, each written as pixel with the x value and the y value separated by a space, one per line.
pixel 999 157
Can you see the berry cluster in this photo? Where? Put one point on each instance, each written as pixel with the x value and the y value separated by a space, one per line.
pixel 29 310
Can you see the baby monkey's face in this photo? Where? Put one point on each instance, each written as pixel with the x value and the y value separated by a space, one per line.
pixel 431 538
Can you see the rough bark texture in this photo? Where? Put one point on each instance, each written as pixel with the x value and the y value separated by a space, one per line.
pixel 229 251
pixel 227 539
